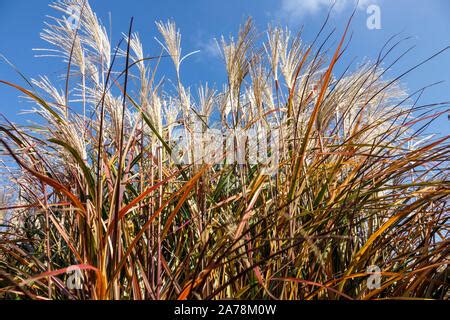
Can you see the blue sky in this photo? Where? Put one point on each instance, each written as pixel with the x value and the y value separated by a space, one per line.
pixel 200 21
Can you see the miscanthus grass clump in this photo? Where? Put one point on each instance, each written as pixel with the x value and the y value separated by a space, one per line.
pixel 114 191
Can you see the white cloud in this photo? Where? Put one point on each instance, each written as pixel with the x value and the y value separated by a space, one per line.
pixel 298 8
pixel 210 48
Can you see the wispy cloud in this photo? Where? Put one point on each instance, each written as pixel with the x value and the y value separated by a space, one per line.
pixel 210 48
pixel 299 8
